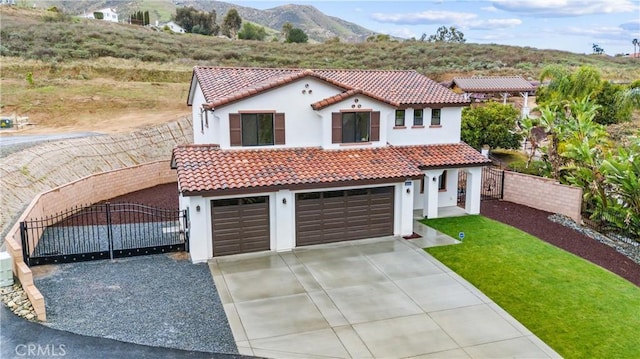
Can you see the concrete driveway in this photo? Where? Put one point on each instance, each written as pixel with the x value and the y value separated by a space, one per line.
pixel 380 298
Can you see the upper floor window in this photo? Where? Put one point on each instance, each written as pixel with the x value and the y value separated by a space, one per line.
pixel 399 117
pixel 355 127
pixel 418 117
pixel 435 117
pixel 256 129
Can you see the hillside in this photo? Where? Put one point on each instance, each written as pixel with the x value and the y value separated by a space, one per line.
pixel 66 72
pixel 318 26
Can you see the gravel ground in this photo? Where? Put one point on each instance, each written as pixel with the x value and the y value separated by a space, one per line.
pixel 159 300
pixel 537 223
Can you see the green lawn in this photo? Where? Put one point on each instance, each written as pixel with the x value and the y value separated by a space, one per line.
pixel 578 308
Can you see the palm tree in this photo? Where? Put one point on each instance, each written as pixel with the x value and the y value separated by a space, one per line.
pixel 635 43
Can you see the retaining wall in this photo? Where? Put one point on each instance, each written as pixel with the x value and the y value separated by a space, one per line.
pixel 52 177
pixel 543 194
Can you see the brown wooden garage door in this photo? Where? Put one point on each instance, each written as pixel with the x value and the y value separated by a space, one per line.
pixel 240 225
pixel 333 216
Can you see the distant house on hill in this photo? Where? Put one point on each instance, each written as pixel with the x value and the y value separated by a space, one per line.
pixel 108 14
pixel 171 25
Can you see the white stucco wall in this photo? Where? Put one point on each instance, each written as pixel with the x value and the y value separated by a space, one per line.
pixel 305 127
pixel 448 132
pixel 282 217
pixel 446 198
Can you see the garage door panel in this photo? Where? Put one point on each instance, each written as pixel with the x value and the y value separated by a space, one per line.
pixel 344 215
pixel 240 225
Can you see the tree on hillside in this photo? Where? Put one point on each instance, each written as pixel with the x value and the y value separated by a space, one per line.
pixel 286 29
pixel 493 124
pixel 635 43
pixel 231 23
pixel 139 18
pixel 195 21
pixel 297 35
pixel 597 49
pixel 444 34
pixel 250 31
pixel 379 38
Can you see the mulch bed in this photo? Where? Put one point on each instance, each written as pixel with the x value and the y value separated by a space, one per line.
pixel 525 218
pixel 536 222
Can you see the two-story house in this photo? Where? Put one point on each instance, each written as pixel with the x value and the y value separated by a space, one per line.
pixel 290 157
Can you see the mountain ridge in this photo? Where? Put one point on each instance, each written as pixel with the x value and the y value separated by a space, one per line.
pixel 317 25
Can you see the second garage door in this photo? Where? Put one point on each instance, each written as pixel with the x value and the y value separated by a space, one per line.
pixel 333 216
pixel 240 225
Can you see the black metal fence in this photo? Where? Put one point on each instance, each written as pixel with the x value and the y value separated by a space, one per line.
pixel 103 231
pixel 492 184
pixel 613 226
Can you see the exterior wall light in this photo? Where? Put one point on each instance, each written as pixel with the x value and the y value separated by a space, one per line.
pixel 284 201
pixel 198 208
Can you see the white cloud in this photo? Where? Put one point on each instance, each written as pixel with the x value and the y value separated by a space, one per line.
pixel 489 9
pixel 425 17
pixel 565 8
pixel 492 24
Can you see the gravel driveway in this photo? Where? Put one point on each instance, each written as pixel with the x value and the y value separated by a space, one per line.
pixel 160 300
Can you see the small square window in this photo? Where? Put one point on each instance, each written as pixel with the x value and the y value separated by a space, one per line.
pixel 399 117
pixel 435 117
pixel 417 117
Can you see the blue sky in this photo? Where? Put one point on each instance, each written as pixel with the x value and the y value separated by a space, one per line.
pixel 568 25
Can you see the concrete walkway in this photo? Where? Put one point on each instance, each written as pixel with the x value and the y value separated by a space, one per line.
pixel 377 298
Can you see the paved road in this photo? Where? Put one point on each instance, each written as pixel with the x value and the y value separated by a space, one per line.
pixel 20 338
pixel 6 141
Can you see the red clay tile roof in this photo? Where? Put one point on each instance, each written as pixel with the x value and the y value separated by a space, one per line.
pixel 207 168
pixel 447 155
pixel 223 85
pixel 334 99
pixel 493 84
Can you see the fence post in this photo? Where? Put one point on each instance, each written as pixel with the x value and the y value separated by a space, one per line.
pixel 502 184
pixel 186 229
pixel 107 208
pixel 25 241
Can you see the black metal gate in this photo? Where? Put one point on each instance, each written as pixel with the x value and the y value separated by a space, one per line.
pixel 104 231
pixel 492 184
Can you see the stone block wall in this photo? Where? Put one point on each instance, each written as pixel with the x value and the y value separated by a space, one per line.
pixel 543 194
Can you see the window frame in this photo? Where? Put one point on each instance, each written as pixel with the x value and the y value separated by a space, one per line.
pixel 401 118
pixel 442 181
pixel 437 111
pixel 356 138
pixel 421 117
pixel 259 117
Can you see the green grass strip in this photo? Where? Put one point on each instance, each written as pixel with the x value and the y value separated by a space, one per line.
pixel 578 308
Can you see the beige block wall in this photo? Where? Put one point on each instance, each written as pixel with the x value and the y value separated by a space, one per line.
pixel 543 194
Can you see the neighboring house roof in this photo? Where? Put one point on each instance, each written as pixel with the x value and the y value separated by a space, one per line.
pixel 399 88
pixel 207 168
pixel 493 84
